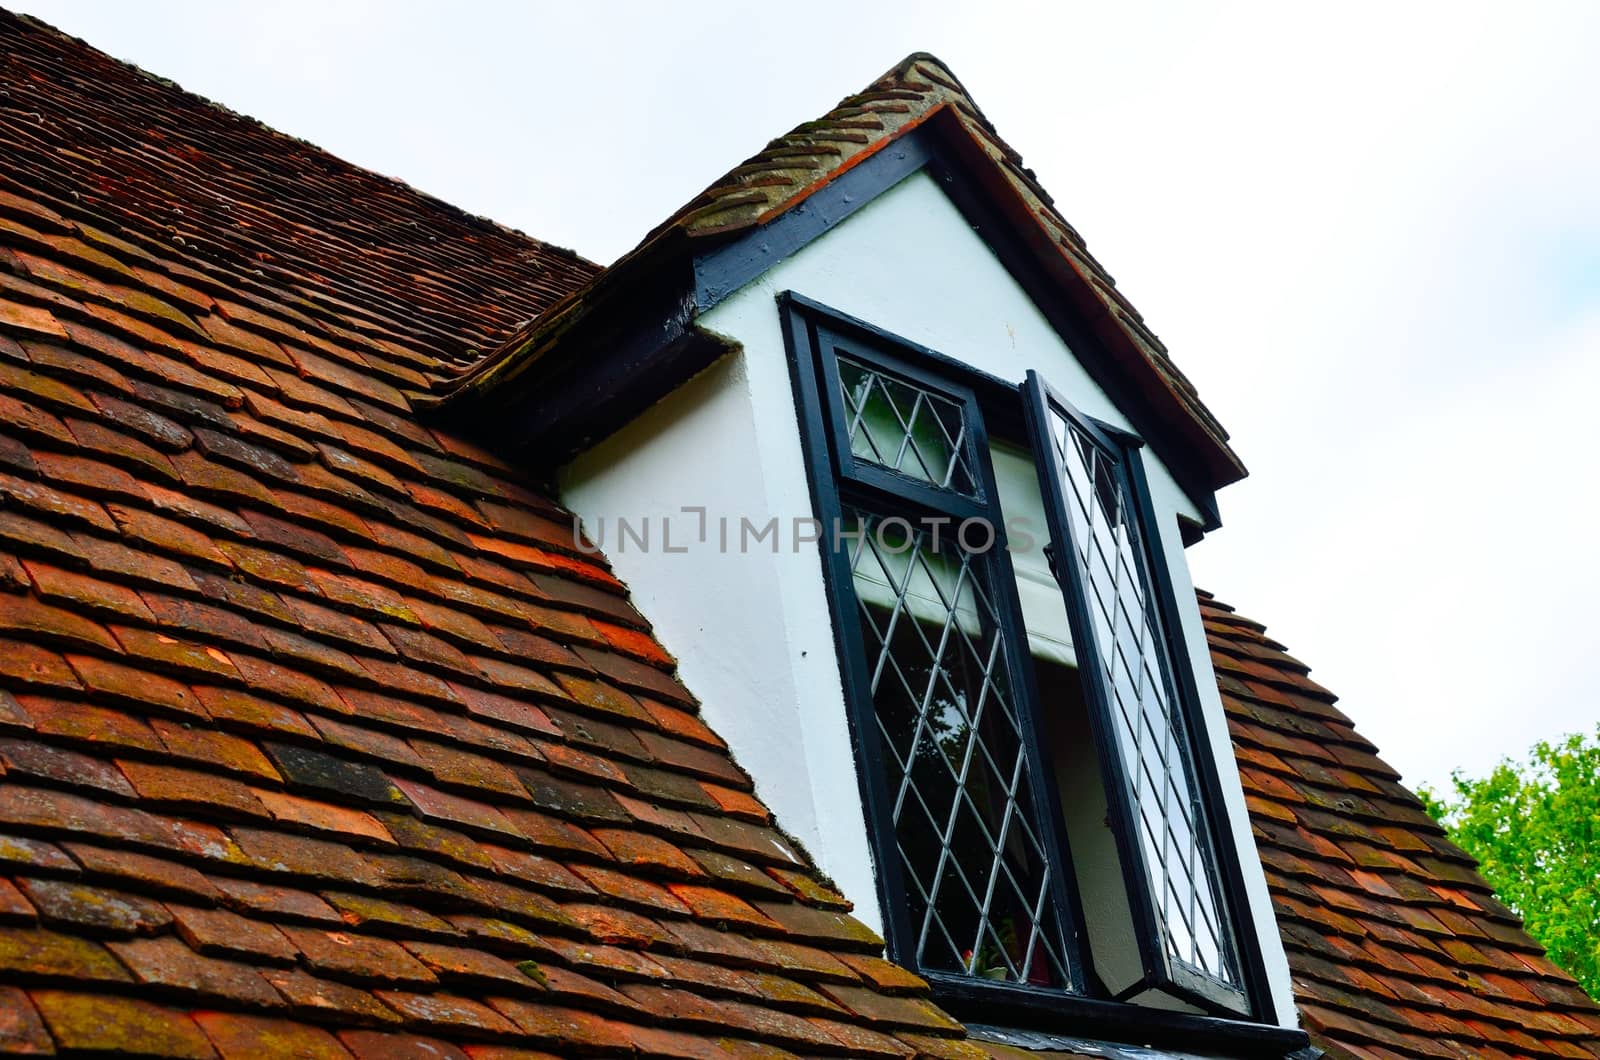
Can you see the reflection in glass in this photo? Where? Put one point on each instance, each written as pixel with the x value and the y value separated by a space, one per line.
pixel 963 799
pixel 904 428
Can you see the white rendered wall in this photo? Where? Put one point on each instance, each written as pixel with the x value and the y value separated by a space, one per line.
pixel 751 629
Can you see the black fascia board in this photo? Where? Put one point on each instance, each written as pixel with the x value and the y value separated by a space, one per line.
pixel 721 270
pixel 635 346
pixel 638 342
pixel 725 269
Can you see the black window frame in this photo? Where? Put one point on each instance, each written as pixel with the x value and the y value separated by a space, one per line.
pixel 1123 450
pixel 848 482
pixel 835 476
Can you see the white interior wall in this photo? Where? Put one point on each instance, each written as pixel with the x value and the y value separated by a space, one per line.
pixel 909 263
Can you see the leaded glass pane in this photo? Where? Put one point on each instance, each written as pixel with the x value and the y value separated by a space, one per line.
pixel 1147 725
pixel 963 799
pixel 904 428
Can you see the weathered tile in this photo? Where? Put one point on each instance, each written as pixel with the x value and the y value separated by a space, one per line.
pixel 22 1031
pixel 168 962
pixel 79 905
pixel 323 999
pixel 363 958
pixel 120 1025
pixel 237 1036
pixel 29 758
pixel 395 1045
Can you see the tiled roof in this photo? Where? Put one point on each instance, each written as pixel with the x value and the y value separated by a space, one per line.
pixel 918 90
pixel 1398 946
pixel 263 213
pixel 315 731
pixel 318 735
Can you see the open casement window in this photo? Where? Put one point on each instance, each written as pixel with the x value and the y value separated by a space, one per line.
pixel 1095 501
pixel 1014 700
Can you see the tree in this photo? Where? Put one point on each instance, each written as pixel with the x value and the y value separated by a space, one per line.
pixel 1534 827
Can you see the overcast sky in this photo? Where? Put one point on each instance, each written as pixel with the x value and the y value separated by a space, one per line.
pixel 1370 236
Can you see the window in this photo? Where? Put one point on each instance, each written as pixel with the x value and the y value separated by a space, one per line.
pixel 1042 822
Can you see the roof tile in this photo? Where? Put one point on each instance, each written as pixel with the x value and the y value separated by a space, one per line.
pixel 31 665
pixel 204 792
pixel 21 1029
pixel 607 960
pixel 384 1045
pixel 579 802
pixel 20 531
pixel 377 914
pixel 127 684
pixel 30 952
pixel 302 856
pixel 524 904
pixel 158 876
pixel 574 988
pixel 461 963
pixel 614 926
pixel 16 850
pixel 421 836
pixel 104 1024
pixel 166 536
pixel 739 875
pixel 446 1012
pixel 547 875
pixel 171 653
pixel 863 1042
pixel 238 1037
pixel 454 809
pixel 1403 985
pixel 28 758
pixel 30 618
pixel 565 1028
pixel 218 932
pixel 320 998
pixel 322 816
pixel 307 769
pixel 243 709
pixel 168 962
pixel 13 906
pixel 362 958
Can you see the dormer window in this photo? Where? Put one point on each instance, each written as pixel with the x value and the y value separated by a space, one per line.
pixel 1044 824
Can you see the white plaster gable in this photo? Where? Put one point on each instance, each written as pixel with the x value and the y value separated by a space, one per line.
pixel 751 626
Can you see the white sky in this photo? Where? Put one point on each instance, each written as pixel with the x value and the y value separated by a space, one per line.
pixel 1371 237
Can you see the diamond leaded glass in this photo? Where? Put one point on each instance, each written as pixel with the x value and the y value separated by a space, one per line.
pixel 1149 729
pixel 963 797
pixel 904 428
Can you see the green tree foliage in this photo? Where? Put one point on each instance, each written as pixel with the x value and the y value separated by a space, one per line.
pixel 1534 827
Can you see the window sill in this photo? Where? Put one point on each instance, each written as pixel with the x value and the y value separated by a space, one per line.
pixel 1022 1016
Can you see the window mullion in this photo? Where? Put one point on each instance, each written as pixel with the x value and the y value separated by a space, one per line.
pixel 1056 891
